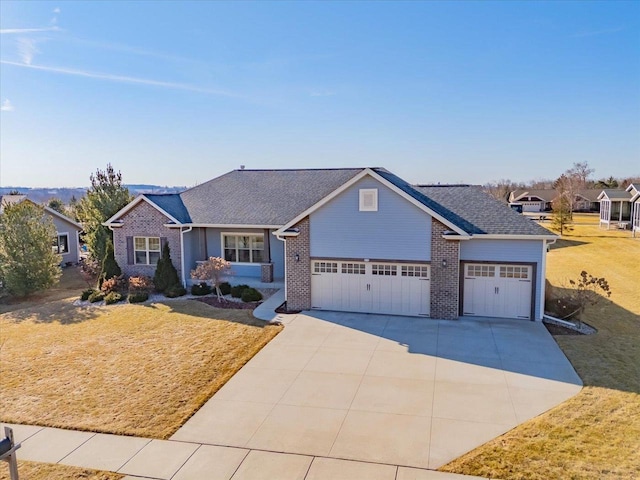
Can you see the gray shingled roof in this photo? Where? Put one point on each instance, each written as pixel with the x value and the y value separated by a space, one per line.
pixel 10 200
pixel 261 197
pixel 545 194
pixel 275 197
pixel 482 213
pixel 172 204
pixel 617 194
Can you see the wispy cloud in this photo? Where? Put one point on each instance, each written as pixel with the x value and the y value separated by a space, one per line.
pixel 8 31
pixel 6 106
pixel 125 79
pixel 27 49
pixel 593 33
pixel 54 19
pixel 56 10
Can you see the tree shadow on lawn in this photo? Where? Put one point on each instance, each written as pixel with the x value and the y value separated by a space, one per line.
pixel 60 311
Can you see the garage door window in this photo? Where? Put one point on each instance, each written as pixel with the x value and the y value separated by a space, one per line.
pixel 481 271
pixel 386 270
pixel 353 268
pixel 514 272
pixel 325 267
pixel 414 271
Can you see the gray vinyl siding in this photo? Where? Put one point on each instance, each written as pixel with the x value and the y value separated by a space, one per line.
pixel 72 231
pixel 498 251
pixel 397 231
pixel 195 251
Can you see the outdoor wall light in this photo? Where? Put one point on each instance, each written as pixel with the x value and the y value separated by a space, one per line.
pixel 444 263
pixel 297 257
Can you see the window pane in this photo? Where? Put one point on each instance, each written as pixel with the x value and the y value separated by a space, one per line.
pixel 154 243
pixel 141 257
pixel 229 241
pixel 230 255
pixel 154 257
pixel 243 256
pixel 141 243
pixel 244 242
pixel 63 244
pixel 258 243
pixel 256 256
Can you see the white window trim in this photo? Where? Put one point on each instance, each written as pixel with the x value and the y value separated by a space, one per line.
pixel 147 250
pixel 241 234
pixel 363 194
pixel 63 234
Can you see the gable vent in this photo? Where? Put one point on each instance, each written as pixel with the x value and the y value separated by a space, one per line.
pixel 368 199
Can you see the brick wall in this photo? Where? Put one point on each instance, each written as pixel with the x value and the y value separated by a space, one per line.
pixel 444 280
pixel 145 221
pixel 298 276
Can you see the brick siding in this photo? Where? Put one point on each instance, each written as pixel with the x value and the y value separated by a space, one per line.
pixel 298 276
pixel 145 221
pixel 444 280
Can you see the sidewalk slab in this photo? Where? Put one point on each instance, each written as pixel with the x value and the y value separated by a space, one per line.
pixel 21 432
pixel 212 463
pixel 159 459
pixel 50 445
pixel 105 452
pixel 334 469
pixel 406 473
pixel 266 465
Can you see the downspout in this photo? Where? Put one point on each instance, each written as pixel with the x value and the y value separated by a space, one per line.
pixel 182 232
pixel 545 245
pixel 285 264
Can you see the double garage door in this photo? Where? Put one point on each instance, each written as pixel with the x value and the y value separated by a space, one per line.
pixel 495 290
pixel 370 287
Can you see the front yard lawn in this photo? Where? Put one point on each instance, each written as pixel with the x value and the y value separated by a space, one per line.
pixel 127 369
pixel 50 471
pixel 596 434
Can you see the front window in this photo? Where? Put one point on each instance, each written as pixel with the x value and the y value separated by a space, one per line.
pixel 243 248
pixel 147 250
pixel 61 243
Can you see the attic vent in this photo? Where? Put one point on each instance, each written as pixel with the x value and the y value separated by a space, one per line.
pixel 368 199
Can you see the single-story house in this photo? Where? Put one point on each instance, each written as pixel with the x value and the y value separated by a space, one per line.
pixel 541 200
pixel 66 242
pixel 615 207
pixel 358 239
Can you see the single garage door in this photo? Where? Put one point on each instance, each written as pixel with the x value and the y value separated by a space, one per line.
pixel 370 287
pixel 496 290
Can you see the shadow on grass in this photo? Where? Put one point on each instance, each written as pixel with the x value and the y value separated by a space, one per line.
pixel 563 243
pixel 60 311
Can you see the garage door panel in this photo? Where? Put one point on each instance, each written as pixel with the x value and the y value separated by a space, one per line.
pixel 377 287
pixel 497 290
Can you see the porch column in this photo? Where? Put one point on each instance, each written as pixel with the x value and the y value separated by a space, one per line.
pixel 266 269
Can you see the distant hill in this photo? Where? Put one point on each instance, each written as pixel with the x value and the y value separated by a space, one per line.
pixel 43 195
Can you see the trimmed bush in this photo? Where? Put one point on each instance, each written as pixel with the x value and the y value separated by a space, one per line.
pixel 140 284
pixel 200 289
pixel 113 284
pixel 138 297
pixel 112 297
pixel 236 292
pixel 251 295
pixel 166 275
pixel 110 267
pixel 87 293
pixel 225 288
pixel 96 297
pixel 175 291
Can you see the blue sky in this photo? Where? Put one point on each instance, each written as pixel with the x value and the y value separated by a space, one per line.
pixel 175 93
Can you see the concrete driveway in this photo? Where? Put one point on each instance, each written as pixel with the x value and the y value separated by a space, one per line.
pixel 394 390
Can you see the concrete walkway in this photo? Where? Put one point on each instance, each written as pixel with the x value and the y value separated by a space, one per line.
pixel 345 396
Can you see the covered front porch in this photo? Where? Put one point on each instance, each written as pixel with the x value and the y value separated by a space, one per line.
pixel 615 213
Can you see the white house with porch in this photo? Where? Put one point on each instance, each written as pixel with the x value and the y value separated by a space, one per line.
pixel 634 190
pixel 615 208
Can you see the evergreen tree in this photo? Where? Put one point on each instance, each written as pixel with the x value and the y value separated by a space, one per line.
pixel 106 196
pixel 110 267
pixel 166 275
pixel 27 262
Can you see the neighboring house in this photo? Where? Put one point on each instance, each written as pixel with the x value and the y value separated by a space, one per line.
pixel 66 242
pixel 360 240
pixel 541 200
pixel 635 207
pixel 615 207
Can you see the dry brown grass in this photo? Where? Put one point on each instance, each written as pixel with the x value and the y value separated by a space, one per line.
pixel 49 471
pixel 596 434
pixel 126 369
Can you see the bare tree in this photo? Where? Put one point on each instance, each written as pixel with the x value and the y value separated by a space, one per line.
pixel 579 174
pixel 500 189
